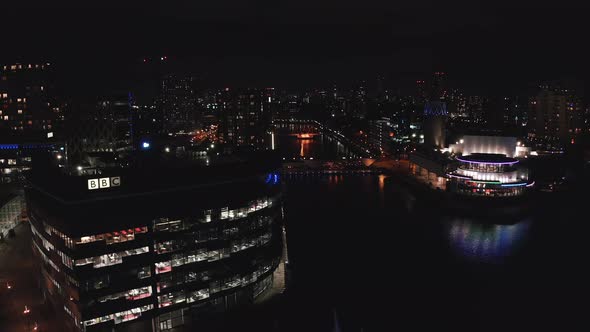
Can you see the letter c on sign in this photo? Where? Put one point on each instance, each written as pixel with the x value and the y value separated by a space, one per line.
pixel 115 181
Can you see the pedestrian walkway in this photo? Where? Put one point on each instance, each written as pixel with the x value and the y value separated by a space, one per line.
pixel 19 270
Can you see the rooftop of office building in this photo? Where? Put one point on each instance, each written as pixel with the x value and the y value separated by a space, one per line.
pixel 151 175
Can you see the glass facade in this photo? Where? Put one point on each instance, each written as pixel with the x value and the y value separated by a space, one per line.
pixel 490 178
pixel 159 263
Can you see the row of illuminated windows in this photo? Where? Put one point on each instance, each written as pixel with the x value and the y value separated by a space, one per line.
pixel 71 314
pixel 214 287
pixel 167 225
pixel 504 177
pixel 114 237
pixel 489 168
pixel 53 281
pixel 66 260
pixel 202 254
pixel 19 66
pixel 48 245
pixel 183 277
pixel 8 161
pixel 30 123
pixel 180 278
pixel 129 295
pixel 253 206
pixel 18 100
pixel 120 317
pixel 495 192
pixel 112 258
pixel 104 281
pixel 45 258
pixel 72 281
pixel 52 230
pixel 205 235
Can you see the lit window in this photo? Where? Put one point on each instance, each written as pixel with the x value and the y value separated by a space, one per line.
pixel 20 111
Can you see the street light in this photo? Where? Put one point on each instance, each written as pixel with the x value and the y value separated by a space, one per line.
pixel 8 286
pixel 26 311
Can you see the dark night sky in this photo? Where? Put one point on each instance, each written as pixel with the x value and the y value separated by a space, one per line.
pixel 303 43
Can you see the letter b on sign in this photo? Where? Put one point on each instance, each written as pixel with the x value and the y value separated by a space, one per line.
pixel 93 184
pixel 104 182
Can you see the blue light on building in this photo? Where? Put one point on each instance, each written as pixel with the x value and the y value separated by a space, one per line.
pixel 435 108
pixel 272 178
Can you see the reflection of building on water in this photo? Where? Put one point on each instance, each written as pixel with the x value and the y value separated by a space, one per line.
pixel 485 242
pixel 305 136
pixel 310 139
pixel 304 150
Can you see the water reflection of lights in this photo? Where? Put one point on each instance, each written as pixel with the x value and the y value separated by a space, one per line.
pixel 272 178
pixel 304 150
pixel 485 242
pixel 382 182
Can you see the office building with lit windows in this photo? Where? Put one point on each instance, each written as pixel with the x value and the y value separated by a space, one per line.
pixel 27 103
pixel 245 118
pixel 149 248
pixel 555 116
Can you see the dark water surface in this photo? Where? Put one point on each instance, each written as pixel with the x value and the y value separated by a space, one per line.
pixel 321 146
pixel 355 249
pixel 364 257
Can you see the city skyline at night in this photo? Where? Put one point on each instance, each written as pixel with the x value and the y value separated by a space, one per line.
pixel 294 166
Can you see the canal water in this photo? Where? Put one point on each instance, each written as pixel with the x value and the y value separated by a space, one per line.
pixel 319 147
pixel 363 258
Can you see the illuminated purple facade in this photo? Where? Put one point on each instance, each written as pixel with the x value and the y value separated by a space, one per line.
pixel 485 174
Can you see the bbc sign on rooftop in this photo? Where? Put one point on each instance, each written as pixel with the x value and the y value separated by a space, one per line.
pixel 102 183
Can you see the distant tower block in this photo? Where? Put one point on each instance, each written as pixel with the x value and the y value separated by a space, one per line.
pixel 435 118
